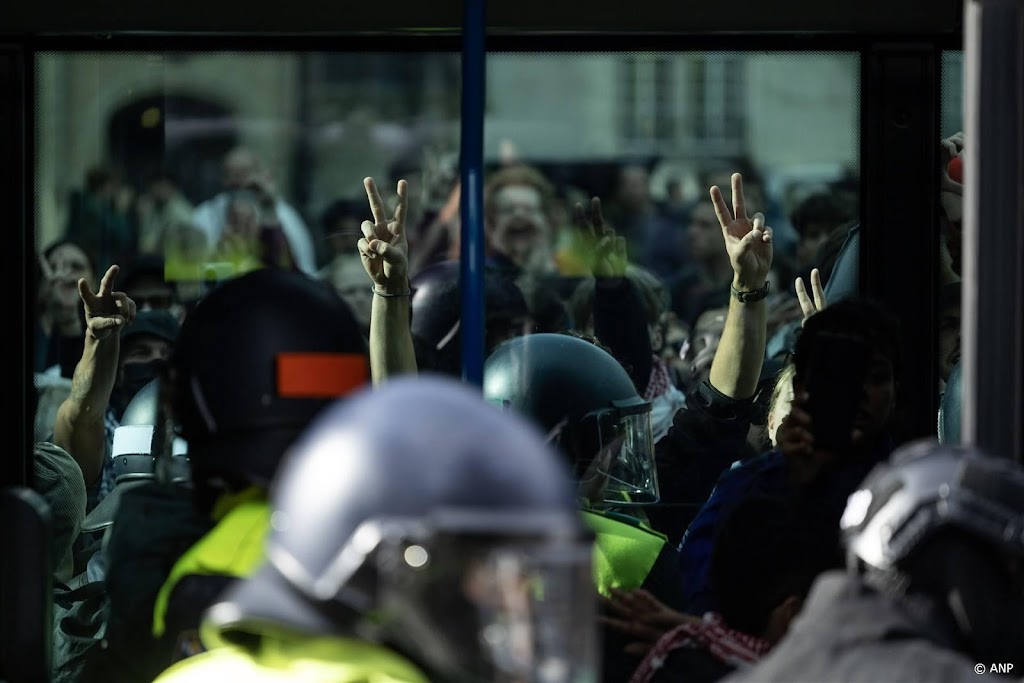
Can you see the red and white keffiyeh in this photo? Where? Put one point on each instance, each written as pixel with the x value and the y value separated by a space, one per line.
pixel 711 634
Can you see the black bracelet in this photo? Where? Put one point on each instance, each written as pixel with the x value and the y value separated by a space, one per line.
pixel 390 296
pixel 750 297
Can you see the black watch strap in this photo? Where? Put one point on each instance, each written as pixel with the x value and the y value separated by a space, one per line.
pixel 750 297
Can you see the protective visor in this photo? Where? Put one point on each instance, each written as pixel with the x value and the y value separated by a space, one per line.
pixel 493 606
pixel 623 472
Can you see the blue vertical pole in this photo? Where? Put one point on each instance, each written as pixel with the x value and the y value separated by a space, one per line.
pixel 474 29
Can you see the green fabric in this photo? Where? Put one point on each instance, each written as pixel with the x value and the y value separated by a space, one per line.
pixel 235 547
pixel 313 660
pixel 624 551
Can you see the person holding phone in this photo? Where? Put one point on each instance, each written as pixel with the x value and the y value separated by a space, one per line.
pixel 846 364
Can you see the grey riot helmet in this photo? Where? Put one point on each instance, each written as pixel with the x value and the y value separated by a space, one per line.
pixel 144 449
pixel 419 517
pixel 946 522
pixel 582 397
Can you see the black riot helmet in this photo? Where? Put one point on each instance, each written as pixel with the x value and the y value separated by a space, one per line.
pixel 946 522
pixel 419 517
pixel 437 311
pixel 584 399
pixel 256 360
pixel 144 449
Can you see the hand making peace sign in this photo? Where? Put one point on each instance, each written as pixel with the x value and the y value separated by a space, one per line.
pixel 106 311
pixel 747 240
pixel 383 247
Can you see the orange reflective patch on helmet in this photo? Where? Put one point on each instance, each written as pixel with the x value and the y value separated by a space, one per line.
pixel 320 375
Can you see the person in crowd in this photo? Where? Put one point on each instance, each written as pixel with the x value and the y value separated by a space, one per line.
pixel 763 538
pixel 933 588
pixel 107 377
pixel 703 282
pixel 470 575
pixel 442 544
pixel 249 210
pixel 238 422
pixel 86 419
pixel 654 242
pixel 517 220
pixel 344 270
pixel 437 315
pixel 581 396
pixel 163 212
pixel 710 433
pixel 144 280
pixel 99 218
pixel 625 306
pixel 699 351
pixel 815 218
pixel 676 336
pixel 817 480
pixel 59 324
pixel 520 243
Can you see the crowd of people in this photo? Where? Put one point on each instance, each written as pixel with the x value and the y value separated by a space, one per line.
pixel 683 464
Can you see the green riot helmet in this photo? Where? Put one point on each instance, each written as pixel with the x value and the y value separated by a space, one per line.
pixel 583 398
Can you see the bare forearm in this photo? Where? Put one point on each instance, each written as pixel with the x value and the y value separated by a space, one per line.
pixel 737 365
pixel 391 349
pixel 79 426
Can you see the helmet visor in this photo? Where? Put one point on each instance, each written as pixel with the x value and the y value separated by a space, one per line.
pixel 624 471
pixel 492 607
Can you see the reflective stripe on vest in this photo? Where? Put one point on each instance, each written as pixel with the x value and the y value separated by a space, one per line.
pixel 316 660
pixel 232 548
pixel 623 553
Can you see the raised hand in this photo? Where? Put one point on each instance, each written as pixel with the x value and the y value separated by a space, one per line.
pixel 383 247
pixel 808 305
pixel 747 240
pixel 106 311
pixel 605 252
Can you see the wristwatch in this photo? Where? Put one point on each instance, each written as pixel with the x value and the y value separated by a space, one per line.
pixel 752 296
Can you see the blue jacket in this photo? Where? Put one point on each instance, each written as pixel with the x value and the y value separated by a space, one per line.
pixel 765 475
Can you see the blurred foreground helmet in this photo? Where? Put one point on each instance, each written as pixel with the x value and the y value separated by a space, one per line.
pixel 926 488
pixel 946 524
pixel 256 360
pixel 418 516
pixel 586 402
pixel 144 448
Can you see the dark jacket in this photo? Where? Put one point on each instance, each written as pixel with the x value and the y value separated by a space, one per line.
pixel 848 632
pixel 707 436
pixel 821 503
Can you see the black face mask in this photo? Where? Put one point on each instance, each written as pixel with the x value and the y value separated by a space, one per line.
pixel 134 377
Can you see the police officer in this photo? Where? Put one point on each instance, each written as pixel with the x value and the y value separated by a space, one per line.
pixel 582 397
pixel 934 589
pixel 256 360
pixel 418 534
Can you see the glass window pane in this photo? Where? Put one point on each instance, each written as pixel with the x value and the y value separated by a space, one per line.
pixel 649 133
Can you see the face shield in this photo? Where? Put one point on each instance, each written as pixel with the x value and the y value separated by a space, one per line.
pixel 623 472
pixel 480 599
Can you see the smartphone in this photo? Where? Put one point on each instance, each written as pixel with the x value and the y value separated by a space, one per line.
pixel 835 387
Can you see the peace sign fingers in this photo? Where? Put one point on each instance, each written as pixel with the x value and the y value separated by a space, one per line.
pixel 738 204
